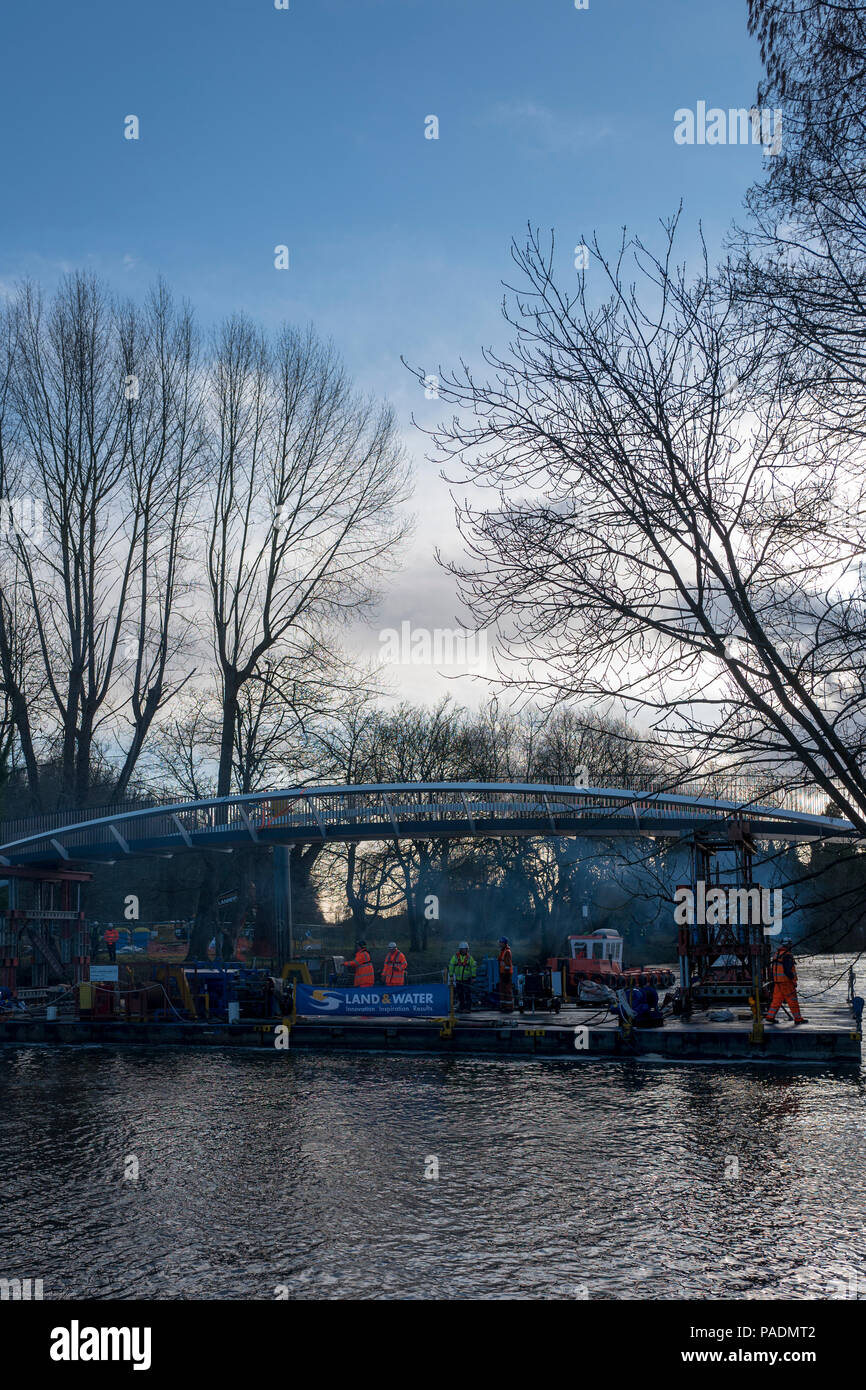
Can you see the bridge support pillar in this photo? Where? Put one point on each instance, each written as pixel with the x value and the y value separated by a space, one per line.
pixel 10 931
pixel 283 919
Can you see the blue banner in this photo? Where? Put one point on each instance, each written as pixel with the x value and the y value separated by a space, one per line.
pixel 379 1001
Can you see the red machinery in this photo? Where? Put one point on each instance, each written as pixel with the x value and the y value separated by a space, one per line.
pixel 597 958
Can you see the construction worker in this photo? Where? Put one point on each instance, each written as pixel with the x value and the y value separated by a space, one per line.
pixel 506 977
pixel 394 969
pixel 784 984
pixel 111 938
pixel 461 971
pixel 362 964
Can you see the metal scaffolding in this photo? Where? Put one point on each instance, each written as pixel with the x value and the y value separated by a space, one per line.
pixel 724 960
pixel 44 919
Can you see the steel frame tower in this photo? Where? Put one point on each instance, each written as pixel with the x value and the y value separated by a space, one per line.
pixel 45 907
pixel 725 960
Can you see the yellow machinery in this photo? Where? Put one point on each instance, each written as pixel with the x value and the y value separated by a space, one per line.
pixel 297 970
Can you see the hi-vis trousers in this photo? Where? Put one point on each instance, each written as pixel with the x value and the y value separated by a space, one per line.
pixel 785 993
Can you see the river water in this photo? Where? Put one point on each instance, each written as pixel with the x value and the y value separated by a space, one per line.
pixel 191 1174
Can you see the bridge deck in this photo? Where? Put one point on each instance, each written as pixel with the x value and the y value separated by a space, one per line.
pixel 458 810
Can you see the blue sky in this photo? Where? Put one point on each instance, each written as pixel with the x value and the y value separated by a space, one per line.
pixel 305 127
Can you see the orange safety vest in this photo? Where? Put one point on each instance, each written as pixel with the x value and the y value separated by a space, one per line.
pixel 112 935
pixel 363 967
pixel 506 963
pixel 779 976
pixel 394 969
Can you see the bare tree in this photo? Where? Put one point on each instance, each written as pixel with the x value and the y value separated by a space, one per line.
pixel 182 754
pixel 165 445
pixel 308 480
pixel 667 534
pixel 799 263
pixel 22 688
pixel 101 418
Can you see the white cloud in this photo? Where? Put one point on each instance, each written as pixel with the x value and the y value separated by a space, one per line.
pixel 543 128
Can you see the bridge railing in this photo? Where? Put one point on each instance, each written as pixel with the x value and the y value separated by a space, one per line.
pixel 396 811
pixel 17 827
pixel 742 790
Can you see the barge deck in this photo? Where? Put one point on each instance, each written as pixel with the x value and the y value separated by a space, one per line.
pixel 578 1035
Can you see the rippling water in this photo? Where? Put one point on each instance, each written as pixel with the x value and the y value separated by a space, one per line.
pixel 556 1180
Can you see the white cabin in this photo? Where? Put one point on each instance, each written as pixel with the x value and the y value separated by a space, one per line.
pixel 604 944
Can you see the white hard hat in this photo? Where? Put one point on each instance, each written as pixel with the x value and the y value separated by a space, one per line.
pixel 392 945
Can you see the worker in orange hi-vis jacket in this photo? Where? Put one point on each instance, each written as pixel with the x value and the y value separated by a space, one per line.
pixel 394 969
pixel 362 964
pixel 784 984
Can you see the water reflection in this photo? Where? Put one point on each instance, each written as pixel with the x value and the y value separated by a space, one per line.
pixel 307 1173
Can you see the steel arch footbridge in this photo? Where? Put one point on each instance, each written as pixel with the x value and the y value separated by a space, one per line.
pixel 419 810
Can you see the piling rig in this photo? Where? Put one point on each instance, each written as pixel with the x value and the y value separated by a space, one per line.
pixel 724 961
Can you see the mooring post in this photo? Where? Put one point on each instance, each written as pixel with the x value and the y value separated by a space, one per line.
pixel 757 1034
pixel 447 1029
